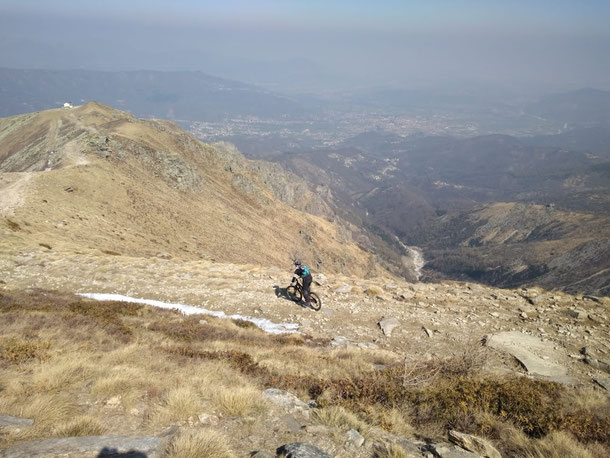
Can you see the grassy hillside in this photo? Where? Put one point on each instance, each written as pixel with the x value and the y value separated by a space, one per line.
pixel 97 178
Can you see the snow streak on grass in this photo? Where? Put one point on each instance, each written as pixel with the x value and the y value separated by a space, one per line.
pixel 264 324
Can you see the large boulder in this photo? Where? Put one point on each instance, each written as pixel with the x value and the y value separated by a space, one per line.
pixel 474 444
pixel 301 450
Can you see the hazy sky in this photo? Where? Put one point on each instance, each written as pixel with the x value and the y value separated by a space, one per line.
pixel 558 44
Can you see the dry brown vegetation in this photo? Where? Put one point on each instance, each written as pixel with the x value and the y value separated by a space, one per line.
pixel 72 364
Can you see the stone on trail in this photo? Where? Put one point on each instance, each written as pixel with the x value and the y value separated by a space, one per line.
pixel 474 444
pixel 388 324
pixel 86 447
pixel 301 450
pixel 529 351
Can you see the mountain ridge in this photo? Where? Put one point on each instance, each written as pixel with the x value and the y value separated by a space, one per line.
pixel 94 173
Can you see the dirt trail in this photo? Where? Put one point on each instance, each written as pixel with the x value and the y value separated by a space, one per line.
pixel 13 187
pixel 432 318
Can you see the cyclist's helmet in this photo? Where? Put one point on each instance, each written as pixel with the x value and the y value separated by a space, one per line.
pixel 297 262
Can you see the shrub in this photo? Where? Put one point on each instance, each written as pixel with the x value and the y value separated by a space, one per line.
pixel 16 351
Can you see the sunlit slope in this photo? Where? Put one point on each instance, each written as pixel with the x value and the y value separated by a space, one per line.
pixel 94 177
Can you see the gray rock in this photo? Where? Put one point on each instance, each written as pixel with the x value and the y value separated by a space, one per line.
pixel 343 289
pixel 260 454
pixel 355 438
pixel 7 421
pixel 602 381
pixel 318 429
pixel 320 279
pixel 86 447
pixel 450 451
pixel 474 444
pixel 577 314
pixel 301 450
pixel 388 324
pixel 526 349
pixel 291 423
pixel 339 341
pixel 286 400
pixel 598 364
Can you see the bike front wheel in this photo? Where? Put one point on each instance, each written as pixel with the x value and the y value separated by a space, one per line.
pixel 294 293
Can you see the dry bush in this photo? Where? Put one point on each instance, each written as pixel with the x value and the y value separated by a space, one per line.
pixel 464 359
pixel 356 290
pixel 198 444
pixel 18 351
pixel 80 426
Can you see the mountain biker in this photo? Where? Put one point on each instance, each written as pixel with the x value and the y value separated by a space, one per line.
pixel 303 272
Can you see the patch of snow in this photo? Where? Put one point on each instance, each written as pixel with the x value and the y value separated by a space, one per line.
pixel 264 324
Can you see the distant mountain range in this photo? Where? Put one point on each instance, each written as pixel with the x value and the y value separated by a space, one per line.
pixel 583 107
pixel 153 94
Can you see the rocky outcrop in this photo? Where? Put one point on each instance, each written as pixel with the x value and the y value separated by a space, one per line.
pixel 87 447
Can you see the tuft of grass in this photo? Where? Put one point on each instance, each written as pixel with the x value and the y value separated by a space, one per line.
pixel 177 405
pixel 47 411
pixel 199 443
pixel 59 374
pixel 393 420
pixel 390 450
pixel 84 425
pixel 373 291
pixel 240 402
pixel 341 418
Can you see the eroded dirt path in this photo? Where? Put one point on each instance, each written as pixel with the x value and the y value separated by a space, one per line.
pixel 13 187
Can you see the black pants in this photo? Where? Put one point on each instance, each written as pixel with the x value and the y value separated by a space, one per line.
pixel 306 287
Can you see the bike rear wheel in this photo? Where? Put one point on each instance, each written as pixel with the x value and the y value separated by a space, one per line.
pixel 314 301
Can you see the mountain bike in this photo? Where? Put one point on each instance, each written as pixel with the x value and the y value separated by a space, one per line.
pixel 295 293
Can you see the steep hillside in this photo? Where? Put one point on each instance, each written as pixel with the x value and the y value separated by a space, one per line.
pixel 511 244
pixel 96 178
pixel 405 186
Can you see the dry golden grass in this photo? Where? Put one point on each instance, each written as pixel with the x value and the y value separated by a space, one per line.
pixel 389 450
pixel 200 443
pixel 175 368
pixel 392 420
pixel 240 402
pixel 61 373
pixel 84 425
pixel 341 418
pixel 373 291
pixel 177 405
